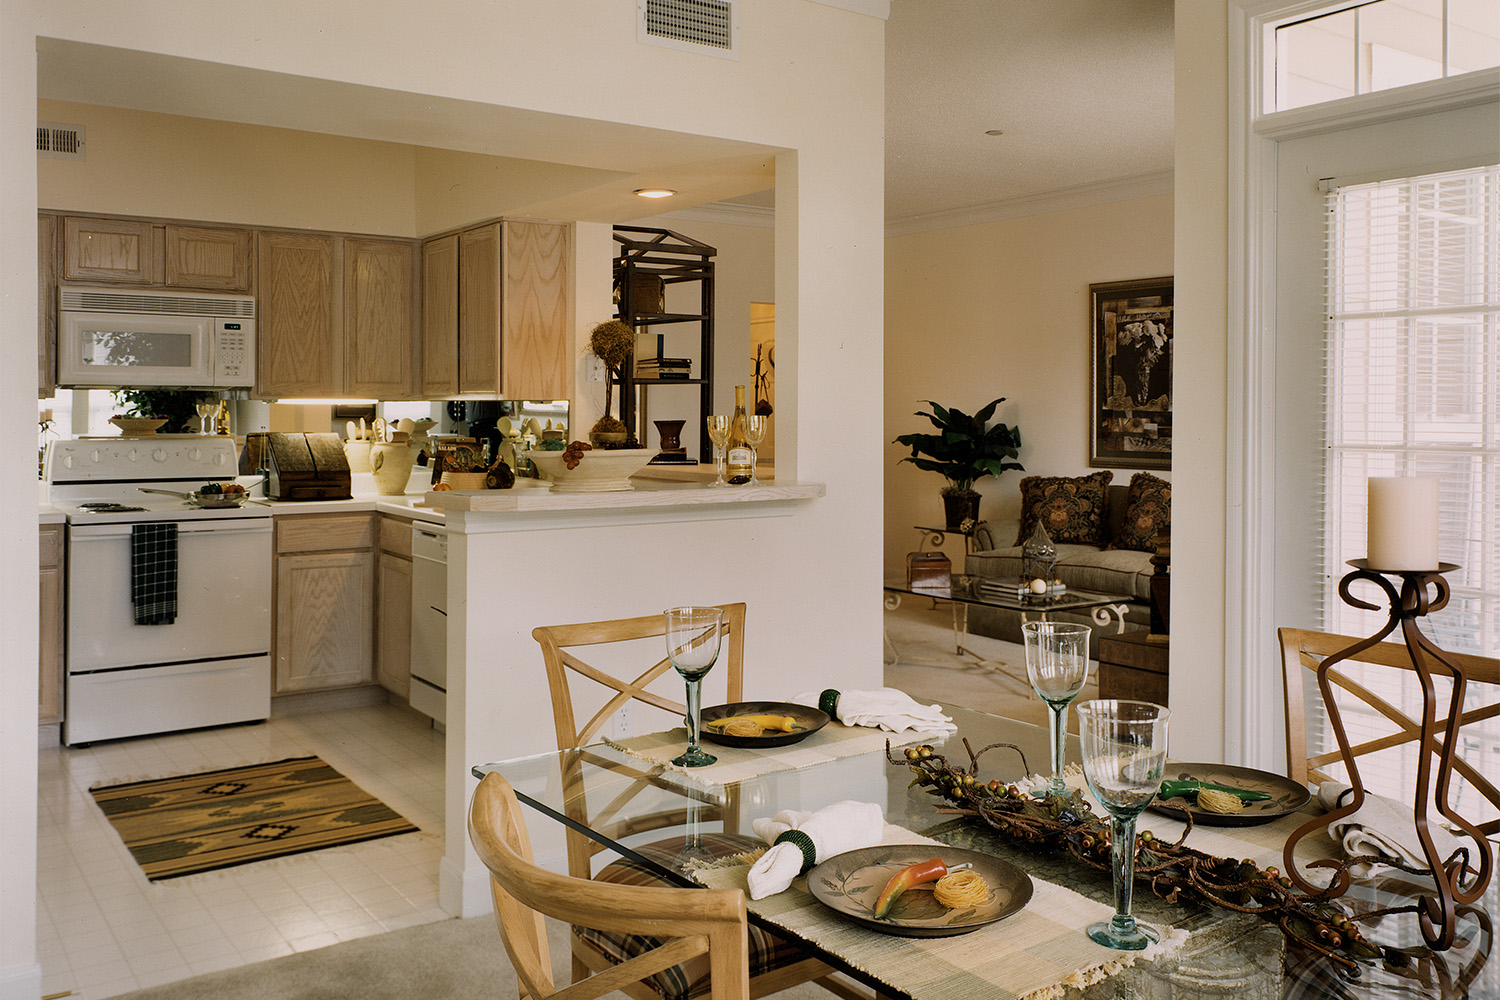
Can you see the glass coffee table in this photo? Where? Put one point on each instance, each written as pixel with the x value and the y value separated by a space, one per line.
pixel 965 592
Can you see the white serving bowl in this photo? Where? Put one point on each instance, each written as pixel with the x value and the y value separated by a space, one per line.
pixel 599 471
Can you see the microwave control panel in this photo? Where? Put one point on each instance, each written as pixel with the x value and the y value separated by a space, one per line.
pixel 234 352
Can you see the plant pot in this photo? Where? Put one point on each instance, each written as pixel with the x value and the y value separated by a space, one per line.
pixel 959 507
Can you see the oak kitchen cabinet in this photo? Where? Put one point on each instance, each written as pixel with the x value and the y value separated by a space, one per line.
pixel 335 315
pixel 46 313
pixel 324 585
pixel 155 253
pixel 109 250
pixel 207 257
pixel 494 311
pixel 393 606
pixel 50 658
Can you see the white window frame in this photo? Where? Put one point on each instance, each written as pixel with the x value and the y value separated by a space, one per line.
pixel 1253 726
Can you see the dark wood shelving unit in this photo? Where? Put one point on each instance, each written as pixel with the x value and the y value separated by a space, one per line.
pixel 674 259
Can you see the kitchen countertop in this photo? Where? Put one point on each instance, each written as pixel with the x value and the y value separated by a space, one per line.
pixel 410 504
pixel 648 493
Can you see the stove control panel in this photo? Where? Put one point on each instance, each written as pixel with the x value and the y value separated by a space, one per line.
pixel 177 456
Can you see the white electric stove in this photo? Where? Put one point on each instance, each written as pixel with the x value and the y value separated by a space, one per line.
pixel 209 664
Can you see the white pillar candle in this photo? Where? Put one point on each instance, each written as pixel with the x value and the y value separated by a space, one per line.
pixel 1403 523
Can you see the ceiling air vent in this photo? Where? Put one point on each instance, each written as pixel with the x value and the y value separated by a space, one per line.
pixel 59 142
pixel 693 25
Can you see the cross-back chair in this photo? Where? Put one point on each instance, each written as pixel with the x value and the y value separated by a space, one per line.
pixel 775 964
pixel 1303 651
pixel 706 925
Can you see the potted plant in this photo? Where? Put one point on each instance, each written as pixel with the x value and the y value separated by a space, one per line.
pixel 177 406
pixel 613 343
pixel 962 451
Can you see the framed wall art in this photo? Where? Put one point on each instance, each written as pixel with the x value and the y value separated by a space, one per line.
pixel 1131 422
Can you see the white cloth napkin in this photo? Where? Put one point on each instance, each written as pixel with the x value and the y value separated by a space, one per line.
pixel 843 826
pixel 885 708
pixel 1381 826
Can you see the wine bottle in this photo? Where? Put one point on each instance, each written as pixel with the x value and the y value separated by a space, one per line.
pixel 737 446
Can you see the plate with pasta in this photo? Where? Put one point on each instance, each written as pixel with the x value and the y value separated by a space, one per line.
pixel 759 723
pixel 963 900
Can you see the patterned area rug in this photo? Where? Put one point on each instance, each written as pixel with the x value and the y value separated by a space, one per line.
pixel 219 819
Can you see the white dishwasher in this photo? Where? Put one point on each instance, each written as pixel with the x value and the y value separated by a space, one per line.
pixel 429 620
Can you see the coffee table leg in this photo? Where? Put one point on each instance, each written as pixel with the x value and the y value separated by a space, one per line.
pixel 1102 616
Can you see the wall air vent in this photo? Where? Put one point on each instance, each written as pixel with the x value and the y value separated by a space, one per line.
pixel 706 26
pixel 59 142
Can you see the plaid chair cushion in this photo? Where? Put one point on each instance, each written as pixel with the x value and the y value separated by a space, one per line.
pixel 682 982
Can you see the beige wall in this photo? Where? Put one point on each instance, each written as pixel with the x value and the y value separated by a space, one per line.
pixel 1003 309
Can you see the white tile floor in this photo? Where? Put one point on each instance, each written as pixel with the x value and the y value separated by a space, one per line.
pixel 104 929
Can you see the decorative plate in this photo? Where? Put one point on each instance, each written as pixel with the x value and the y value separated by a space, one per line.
pixel 849 883
pixel 808 720
pixel 1287 796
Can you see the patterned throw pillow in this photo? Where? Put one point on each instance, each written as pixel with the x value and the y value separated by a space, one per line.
pixel 1148 513
pixel 1074 511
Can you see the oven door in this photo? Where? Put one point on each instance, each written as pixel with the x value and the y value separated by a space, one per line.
pixel 223 596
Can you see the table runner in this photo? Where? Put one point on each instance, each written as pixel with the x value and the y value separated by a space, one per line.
pixel 1030 955
pixel 833 741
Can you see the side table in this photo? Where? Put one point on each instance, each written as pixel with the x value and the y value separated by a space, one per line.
pixel 1133 665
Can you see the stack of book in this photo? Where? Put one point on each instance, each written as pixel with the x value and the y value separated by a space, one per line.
pixel 663 368
pixel 1018 590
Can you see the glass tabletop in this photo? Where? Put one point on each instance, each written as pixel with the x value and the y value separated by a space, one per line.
pixel 967 590
pixel 597 789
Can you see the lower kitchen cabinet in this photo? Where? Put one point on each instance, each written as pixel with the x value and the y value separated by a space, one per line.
pixel 324 630
pixel 393 607
pixel 49 660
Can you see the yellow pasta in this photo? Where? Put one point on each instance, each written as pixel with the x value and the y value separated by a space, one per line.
pixel 1215 801
pixel 965 887
pixel 741 727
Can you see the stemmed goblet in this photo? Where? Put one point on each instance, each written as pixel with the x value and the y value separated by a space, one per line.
pixel 1057 663
pixel 693 636
pixel 756 426
pixel 206 414
pixel 718 433
pixel 1124 755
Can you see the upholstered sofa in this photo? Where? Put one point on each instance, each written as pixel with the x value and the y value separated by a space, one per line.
pixel 1105 537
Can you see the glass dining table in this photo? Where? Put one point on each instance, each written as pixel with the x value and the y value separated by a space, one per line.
pixel 596 791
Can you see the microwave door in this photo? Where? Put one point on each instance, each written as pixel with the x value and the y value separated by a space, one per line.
pixel 107 349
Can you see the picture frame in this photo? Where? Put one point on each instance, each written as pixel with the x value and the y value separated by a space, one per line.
pixel 1130 422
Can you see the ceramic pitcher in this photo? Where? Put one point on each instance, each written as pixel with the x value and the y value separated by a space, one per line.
pixel 391 461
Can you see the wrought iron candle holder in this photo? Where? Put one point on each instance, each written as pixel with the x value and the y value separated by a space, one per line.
pixel 1436 914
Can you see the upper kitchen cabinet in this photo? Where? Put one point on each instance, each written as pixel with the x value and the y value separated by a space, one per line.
pixel 115 250
pixel 298 316
pixel 46 312
pixel 380 315
pixel 494 312
pixel 208 257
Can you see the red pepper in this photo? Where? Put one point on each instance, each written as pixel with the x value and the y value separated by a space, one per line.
pixel 925 871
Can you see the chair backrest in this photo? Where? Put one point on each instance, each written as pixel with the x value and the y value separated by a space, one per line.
pixel 559 643
pixel 693 921
pixel 1303 651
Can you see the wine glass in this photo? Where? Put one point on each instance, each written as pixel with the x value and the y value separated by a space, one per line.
pixel 1057 662
pixel 718 433
pixel 206 414
pixel 1124 755
pixel 693 645
pixel 756 426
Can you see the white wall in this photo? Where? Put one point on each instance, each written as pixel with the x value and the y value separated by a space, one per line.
pixel 809 81
pixel 1003 309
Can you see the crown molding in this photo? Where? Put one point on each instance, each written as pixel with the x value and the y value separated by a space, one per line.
pixel 1060 200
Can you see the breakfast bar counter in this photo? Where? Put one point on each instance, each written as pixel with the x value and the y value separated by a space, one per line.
pixel 648 493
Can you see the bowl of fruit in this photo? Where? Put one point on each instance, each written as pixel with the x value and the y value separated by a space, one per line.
pixel 580 468
pixel 219 495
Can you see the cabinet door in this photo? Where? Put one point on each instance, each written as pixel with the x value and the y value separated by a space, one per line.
pixel 200 257
pixel 46 305
pixel 479 309
pixel 535 362
pixel 324 634
pixel 120 250
pixel 50 618
pixel 379 318
pixel 297 323
pixel 440 317
pixel 393 610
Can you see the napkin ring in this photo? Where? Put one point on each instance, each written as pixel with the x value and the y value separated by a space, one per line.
pixel 803 843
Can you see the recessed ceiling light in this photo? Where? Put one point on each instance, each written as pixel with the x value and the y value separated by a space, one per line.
pixel 655 192
pixel 994 131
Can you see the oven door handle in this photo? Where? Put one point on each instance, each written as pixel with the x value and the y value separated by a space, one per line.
pixel 242 526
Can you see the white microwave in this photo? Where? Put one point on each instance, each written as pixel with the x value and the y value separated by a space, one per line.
pixel 112 337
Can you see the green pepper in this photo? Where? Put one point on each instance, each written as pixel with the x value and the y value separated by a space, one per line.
pixel 1172 789
pixel 924 871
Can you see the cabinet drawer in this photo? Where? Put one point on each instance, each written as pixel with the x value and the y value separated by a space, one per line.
pixel 395 536
pixel 51 539
pixel 1135 651
pixel 319 533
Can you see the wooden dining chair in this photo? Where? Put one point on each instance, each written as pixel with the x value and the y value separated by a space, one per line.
pixel 775 964
pixel 703 926
pixel 1380 728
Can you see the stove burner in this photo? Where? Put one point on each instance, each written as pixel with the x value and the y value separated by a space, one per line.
pixel 109 508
